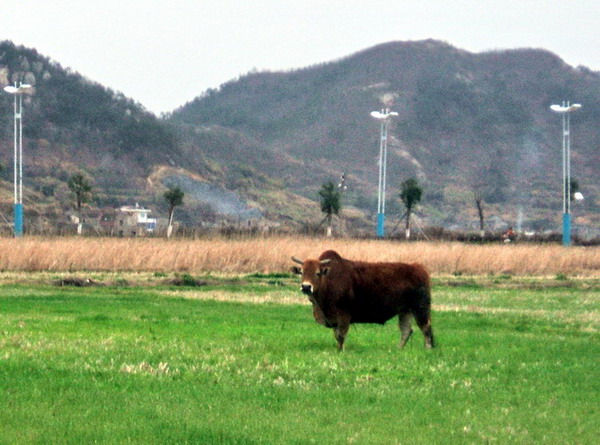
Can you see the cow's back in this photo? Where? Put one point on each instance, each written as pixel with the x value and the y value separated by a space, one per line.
pixel 381 290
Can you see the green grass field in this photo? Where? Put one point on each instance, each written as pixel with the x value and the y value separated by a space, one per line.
pixel 517 362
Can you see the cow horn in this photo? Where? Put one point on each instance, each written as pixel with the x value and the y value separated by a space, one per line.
pixel 327 261
pixel 296 260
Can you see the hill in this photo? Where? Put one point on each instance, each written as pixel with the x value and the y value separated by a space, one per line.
pixel 73 124
pixel 465 121
pixel 262 145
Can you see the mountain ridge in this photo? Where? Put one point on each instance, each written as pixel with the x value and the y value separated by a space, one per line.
pixel 464 119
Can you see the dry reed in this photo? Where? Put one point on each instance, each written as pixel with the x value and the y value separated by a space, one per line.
pixel 267 255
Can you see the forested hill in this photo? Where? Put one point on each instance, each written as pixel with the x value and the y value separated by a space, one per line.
pixel 269 140
pixel 73 124
pixel 466 121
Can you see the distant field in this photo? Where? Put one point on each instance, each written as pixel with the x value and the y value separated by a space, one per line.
pixel 238 360
pixel 272 254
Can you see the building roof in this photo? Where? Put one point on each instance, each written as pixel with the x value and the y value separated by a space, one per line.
pixel 134 209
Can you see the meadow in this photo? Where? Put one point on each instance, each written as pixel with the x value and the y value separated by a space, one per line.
pixel 239 360
pixel 177 350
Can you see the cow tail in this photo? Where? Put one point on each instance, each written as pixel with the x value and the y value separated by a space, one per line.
pixel 422 313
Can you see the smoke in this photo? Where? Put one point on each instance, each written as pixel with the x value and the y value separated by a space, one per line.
pixel 520 219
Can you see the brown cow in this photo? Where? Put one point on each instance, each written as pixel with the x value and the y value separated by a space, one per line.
pixel 343 292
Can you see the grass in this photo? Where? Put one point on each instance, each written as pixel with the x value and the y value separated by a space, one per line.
pixel 272 255
pixel 240 361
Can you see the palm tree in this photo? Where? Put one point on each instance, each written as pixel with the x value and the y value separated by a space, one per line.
pixel 174 197
pixel 330 203
pixel 411 195
pixel 82 190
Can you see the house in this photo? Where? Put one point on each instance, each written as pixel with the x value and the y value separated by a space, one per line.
pixel 87 221
pixel 127 221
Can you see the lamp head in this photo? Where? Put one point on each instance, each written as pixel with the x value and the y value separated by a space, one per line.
pixel 17 90
pixel 383 116
pixel 561 109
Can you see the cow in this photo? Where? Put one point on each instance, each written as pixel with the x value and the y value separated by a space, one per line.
pixel 343 292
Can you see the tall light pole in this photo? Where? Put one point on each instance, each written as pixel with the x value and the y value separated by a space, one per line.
pixel 17 91
pixel 384 117
pixel 566 109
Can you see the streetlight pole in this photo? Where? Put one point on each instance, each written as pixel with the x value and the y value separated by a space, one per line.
pixel 17 91
pixel 384 117
pixel 565 110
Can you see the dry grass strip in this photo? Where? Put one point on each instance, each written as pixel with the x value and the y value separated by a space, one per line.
pixel 267 255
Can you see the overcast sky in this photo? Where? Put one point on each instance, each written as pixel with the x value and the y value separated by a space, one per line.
pixel 163 53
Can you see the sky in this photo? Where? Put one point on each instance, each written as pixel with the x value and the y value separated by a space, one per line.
pixel 164 53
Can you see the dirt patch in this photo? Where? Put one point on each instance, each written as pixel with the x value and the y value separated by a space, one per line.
pixel 77 282
pixel 188 281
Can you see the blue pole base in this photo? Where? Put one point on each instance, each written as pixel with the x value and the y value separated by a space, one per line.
pixel 19 220
pixel 566 229
pixel 380 225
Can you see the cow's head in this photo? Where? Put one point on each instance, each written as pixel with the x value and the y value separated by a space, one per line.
pixel 312 272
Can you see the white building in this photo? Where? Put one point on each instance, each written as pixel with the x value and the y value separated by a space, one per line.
pixel 139 215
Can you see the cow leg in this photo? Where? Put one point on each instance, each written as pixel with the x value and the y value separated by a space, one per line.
pixel 318 314
pixel 405 328
pixel 340 332
pixel 424 322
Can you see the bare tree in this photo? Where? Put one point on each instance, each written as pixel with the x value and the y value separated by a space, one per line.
pixel 478 196
pixel 480 187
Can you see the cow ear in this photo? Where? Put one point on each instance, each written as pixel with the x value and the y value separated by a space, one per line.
pixel 325 271
pixel 296 270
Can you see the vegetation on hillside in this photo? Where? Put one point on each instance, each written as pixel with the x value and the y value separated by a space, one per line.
pixel 73 124
pixel 462 116
pixel 273 138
